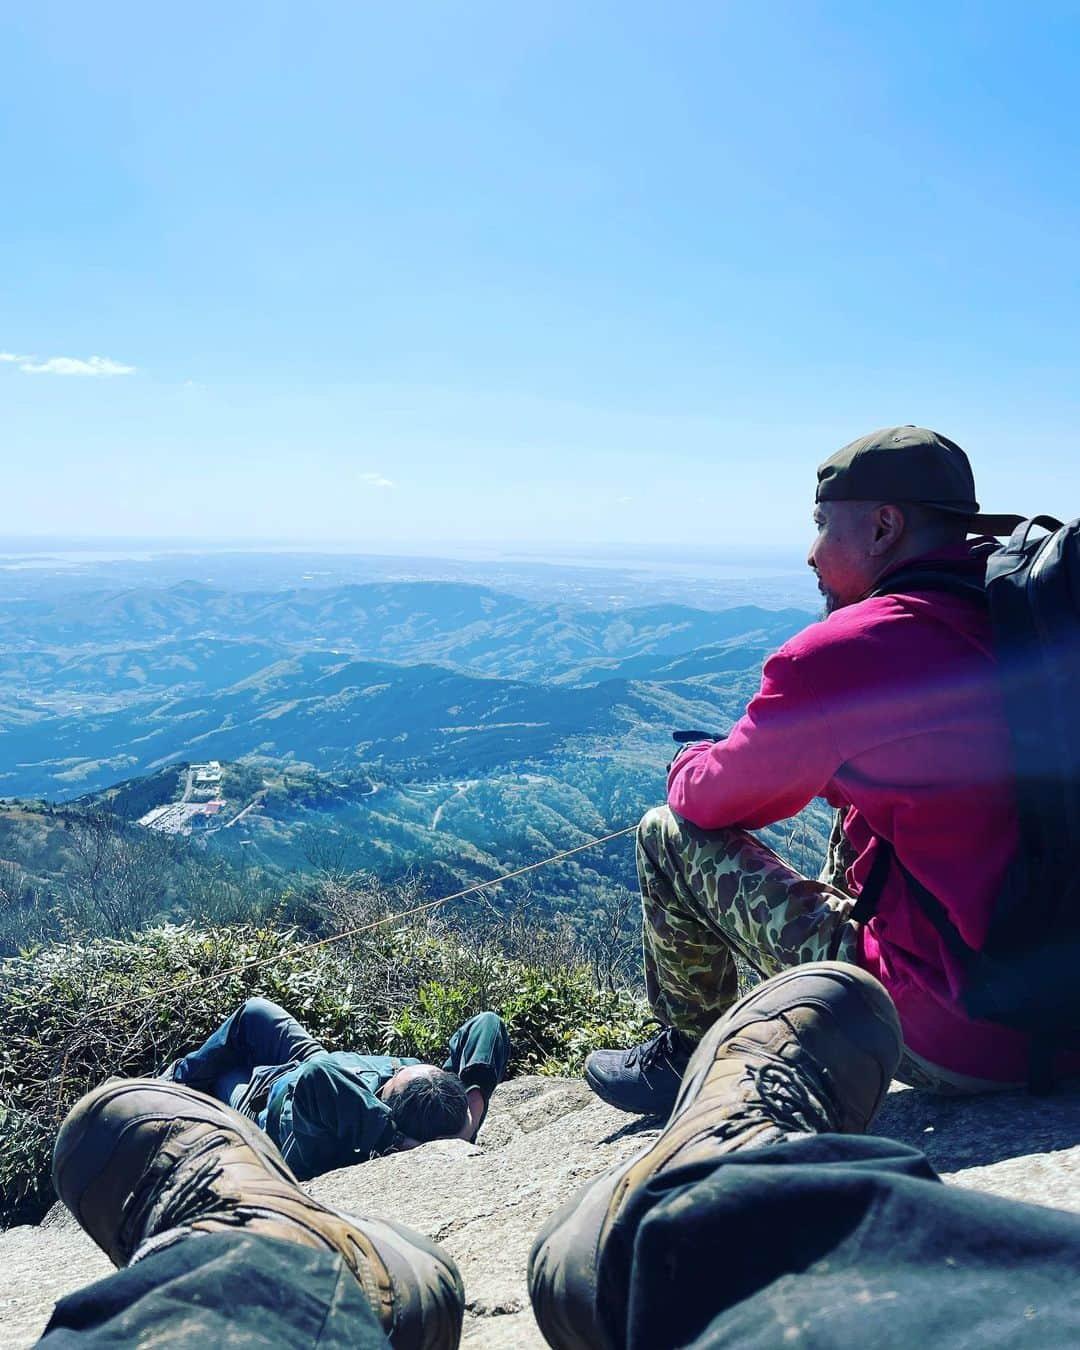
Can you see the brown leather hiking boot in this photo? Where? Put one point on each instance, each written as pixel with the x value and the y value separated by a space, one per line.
pixel 142 1163
pixel 809 1051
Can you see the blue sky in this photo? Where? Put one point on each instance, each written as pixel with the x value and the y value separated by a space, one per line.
pixel 600 275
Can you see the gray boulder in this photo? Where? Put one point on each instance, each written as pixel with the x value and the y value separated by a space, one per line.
pixel 543 1138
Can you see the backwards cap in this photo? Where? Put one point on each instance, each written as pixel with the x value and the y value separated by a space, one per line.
pixel 901 464
pixel 906 464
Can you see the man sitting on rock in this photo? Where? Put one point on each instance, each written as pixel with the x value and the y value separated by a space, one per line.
pixel 889 709
pixel 326 1109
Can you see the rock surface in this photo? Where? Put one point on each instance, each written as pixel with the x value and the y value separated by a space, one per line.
pixel 544 1137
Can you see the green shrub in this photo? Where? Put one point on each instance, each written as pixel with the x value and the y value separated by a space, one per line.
pixel 67 1019
pixel 554 1021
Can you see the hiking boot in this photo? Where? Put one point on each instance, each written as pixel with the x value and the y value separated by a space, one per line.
pixel 809 1051
pixel 142 1164
pixel 644 1079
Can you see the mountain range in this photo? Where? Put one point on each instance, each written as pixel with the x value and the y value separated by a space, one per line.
pixel 463 626
pixel 433 727
pixel 437 679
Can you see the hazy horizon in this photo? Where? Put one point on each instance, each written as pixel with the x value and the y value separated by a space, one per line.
pixel 582 552
pixel 46 571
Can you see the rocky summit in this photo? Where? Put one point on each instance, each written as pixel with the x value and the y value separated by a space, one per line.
pixel 543 1138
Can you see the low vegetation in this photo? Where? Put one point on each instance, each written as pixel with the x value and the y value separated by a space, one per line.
pixel 75 1013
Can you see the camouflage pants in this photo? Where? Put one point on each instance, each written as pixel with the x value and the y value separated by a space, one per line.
pixel 711 895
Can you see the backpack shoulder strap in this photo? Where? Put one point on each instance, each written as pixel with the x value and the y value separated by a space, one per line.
pixel 870 897
pixel 938 915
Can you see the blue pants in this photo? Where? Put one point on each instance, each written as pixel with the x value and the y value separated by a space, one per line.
pixel 251 1293
pixel 259 1033
pixel 828 1241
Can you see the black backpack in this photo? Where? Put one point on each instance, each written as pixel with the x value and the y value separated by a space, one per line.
pixel 1027 974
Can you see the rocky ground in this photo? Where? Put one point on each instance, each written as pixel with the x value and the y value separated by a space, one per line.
pixel 543 1138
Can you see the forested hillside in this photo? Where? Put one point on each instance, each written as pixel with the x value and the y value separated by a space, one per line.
pixel 442 732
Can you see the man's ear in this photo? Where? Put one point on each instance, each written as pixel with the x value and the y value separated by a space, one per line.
pixel 889 525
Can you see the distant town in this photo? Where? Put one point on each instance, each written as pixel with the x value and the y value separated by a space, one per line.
pixel 200 806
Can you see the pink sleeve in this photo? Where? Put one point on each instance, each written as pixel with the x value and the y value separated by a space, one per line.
pixel 776 758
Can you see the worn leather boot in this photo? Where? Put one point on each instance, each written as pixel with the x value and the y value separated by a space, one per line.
pixel 142 1164
pixel 810 1051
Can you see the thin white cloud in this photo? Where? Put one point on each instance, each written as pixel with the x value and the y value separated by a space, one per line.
pixel 70 365
pixel 376 480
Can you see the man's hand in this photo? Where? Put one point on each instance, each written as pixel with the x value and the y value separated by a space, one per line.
pixel 477 1105
pixel 690 740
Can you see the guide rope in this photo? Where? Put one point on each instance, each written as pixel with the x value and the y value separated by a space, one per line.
pixel 185 985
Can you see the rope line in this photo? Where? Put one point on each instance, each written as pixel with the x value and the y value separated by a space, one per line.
pixel 367 927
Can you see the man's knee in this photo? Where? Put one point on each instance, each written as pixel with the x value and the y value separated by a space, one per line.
pixel 487 1031
pixel 656 824
pixel 663 848
pixel 262 1010
pixel 672 844
pixel 489 1023
pixel 252 1020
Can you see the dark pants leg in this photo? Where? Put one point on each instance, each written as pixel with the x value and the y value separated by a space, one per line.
pixel 258 1033
pixel 479 1052
pixel 834 1240
pixel 222 1289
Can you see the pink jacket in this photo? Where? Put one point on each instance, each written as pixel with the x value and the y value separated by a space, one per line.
pixel 889 709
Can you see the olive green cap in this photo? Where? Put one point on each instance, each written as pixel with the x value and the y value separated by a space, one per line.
pixel 900 464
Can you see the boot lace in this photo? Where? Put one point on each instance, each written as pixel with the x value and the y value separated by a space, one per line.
pixel 667 1044
pixel 186 1193
pixel 798 1100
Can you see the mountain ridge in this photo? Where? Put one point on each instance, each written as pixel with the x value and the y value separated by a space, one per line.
pixel 121 682
pixel 467 626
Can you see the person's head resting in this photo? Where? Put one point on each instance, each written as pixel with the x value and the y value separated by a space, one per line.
pixel 427 1103
pixel 896 494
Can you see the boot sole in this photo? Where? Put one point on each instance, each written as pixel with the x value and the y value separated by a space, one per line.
pixel 430 1317
pixel 563 1264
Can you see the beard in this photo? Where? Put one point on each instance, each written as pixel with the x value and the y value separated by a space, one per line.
pixel 830 601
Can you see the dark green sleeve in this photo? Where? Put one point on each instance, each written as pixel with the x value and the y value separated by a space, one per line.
pixel 332 1121
pixel 479 1052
